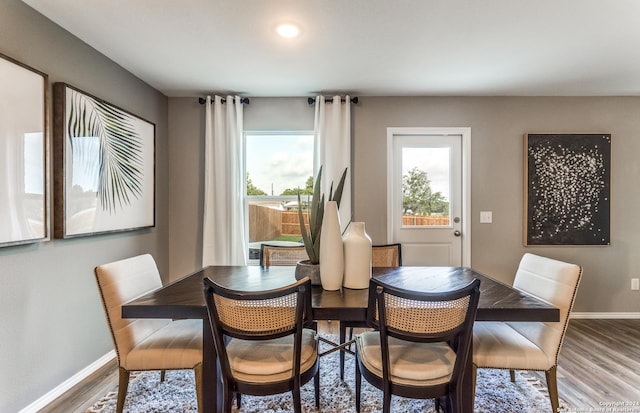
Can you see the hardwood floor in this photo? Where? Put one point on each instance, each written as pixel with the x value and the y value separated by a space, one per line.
pixel 599 363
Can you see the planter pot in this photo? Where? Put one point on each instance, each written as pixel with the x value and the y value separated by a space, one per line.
pixel 357 257
pixel 306 269
pixel 331 251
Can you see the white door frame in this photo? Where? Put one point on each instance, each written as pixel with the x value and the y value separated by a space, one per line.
pixel 465 132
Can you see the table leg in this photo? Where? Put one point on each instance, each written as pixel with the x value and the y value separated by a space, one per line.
pixel 211 383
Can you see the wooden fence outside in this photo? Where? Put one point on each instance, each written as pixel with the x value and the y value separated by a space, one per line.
pixel 269 223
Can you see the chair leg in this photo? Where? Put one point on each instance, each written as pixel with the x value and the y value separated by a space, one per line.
pixel 552 386
pixel 163 374
pixel 238 400
pixel 316 385
pixel 197 373
pixel 358 385
pixel 297 402
pixel 227 399
pixel 343 334
pixel 386 402
pixel 474 376
pixel 512 375
pixel 123 384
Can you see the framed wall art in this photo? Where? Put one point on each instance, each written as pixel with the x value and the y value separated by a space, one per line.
pixel 104 166
pixel 567 189
pixel 24 189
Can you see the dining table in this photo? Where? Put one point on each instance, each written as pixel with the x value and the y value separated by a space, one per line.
pixel 184 299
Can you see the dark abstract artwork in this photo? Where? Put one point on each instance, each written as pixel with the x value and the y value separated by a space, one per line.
pixel 567 189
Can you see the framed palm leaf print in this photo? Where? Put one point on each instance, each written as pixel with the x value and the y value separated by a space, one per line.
pixel 104 166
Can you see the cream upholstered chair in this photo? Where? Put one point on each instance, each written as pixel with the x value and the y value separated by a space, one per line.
pixel 422 345
pixel 146 344
pixel 261 341
pixel 531 345
pixel 388 255
pixel 281 255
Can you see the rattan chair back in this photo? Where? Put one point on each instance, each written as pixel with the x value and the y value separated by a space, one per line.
pixel 281 255
pixel 421 316
pixel 259 317
pixel 389 255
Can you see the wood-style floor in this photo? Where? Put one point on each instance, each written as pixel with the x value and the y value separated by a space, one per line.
pixel 599 363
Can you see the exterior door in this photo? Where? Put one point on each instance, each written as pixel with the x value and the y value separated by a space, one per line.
pixel 426 187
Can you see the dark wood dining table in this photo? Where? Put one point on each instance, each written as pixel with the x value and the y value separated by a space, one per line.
pixel 184 298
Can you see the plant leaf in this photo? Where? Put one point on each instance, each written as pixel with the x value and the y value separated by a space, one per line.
pixel 120 170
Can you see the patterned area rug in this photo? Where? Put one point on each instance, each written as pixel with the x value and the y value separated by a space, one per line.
pixel 495 393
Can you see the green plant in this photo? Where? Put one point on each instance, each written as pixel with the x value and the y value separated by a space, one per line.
pixel 311 239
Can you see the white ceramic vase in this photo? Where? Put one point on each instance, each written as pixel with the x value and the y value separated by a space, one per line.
pixel 331 251
pixel 357 257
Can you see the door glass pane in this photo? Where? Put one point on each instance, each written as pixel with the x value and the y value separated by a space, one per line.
pixel 426 186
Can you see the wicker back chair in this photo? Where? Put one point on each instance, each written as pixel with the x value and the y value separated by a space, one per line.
pixel 389 255
pixel 261 341
pixel 422 345
pixel 281 255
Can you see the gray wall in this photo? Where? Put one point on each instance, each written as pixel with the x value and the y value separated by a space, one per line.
pixel 51 320
pixel 498 125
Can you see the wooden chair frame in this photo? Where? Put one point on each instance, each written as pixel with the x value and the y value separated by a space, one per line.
pixel 222 333
pixel 458 337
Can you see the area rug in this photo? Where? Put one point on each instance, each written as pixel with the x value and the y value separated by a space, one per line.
pixel 494 393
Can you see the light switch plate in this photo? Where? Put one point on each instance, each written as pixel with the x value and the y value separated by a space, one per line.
pixel 486 217
pixel 635 284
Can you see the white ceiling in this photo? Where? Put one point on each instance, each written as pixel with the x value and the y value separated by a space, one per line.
pixel 366 47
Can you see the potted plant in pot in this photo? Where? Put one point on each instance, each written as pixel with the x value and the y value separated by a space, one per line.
pixel 311 238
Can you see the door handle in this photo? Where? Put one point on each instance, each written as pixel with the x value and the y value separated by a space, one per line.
pixel 457 233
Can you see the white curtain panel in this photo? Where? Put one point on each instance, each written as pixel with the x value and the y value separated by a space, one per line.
pixel 224 234
pixel 333 148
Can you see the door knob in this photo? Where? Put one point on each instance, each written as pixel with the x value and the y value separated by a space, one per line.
pixel 457 233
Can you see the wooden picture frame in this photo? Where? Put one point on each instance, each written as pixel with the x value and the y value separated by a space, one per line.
pixel 104 166
pixel 567 189
pixel 24 137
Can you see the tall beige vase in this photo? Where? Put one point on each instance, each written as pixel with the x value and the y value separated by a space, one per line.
pixel 357 257
pixel 331 251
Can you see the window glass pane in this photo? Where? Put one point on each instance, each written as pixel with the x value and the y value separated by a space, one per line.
pixel 425 186
pixel 278 166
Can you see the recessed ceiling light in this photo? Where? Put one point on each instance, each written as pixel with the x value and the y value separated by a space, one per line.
pixel 288 30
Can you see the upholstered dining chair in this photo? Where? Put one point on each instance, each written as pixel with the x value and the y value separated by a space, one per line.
pixel 146 344
pixel 388 255
pixel 281 255
pixel 422 344
pixel 261 342
pixel 531 345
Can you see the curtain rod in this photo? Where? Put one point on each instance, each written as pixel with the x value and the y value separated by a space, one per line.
pixel 244 101
pixel 354 100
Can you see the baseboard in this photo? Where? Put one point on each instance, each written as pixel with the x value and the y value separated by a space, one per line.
pixel 605 315
pixel 63 387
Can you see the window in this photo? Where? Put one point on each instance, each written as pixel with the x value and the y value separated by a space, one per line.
pixel 278 165
pixel 425 186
